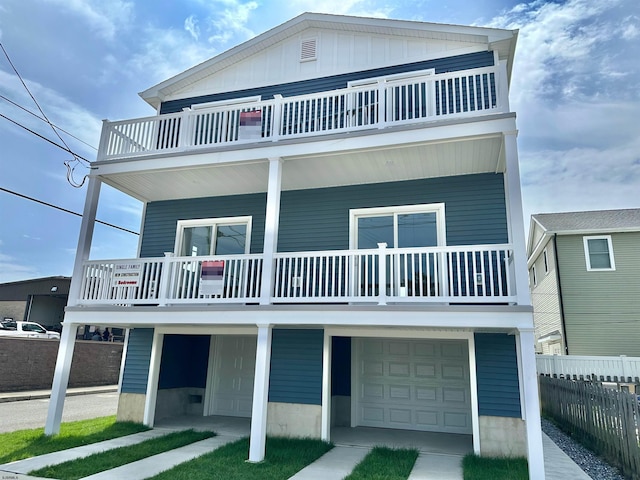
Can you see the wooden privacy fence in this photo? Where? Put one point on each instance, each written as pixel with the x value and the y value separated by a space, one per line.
pixel 603 419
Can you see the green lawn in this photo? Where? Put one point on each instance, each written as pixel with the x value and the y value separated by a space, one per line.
pixel 484 468
pixel 383 463
pixel 31 443
pixel 99 462
pixel 284 457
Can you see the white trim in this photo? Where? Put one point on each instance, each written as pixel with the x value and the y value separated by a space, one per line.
pixel 437 208
pixel 391 78
pixel 152 379
pixel 325 427
pixel 231 101
pixel 587 255
pixel 213 223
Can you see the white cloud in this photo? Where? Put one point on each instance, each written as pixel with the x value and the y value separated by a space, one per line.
pixel 191 26
pixel 230 21
pixel 104 17
pixel 630 29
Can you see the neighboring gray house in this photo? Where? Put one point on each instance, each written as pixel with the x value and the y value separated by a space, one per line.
pixel 333 239
pixel 584 274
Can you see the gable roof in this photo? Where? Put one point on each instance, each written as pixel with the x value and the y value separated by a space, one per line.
pixel 503 41
pixel 580 223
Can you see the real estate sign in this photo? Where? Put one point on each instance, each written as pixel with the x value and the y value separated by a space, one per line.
pixel 127 274
pixel 212 277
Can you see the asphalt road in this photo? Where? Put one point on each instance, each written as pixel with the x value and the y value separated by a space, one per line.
pixel 33 413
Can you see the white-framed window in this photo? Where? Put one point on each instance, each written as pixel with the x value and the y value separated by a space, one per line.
pixel 598 252
pixel 398 227
pixel 534 276
pixel 213 236
pixel 545 260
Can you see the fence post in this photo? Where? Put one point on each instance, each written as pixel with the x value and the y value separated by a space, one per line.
pixel 624 363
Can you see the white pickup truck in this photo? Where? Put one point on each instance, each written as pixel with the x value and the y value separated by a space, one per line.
pixel 11 328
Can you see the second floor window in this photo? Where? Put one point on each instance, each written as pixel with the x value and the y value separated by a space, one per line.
pixel 213 236
pixel 598 251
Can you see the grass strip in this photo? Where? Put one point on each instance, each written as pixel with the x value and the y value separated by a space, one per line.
pixel 284 457
pixel 486 468
pixel 384 463
pixel 23 444
pixel 100 462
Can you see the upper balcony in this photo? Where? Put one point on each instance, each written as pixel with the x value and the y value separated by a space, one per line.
pixel 381 104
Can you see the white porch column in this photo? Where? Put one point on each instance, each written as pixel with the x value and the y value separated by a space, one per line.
pixel 60 378
pixel 85 237
pixel 152 379
pixel 515 218
pixel 68 337
pixel 325 433
pixel 531 413
pixel 260 395
pixel 271 223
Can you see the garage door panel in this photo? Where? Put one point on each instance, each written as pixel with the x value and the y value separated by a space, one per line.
pixel 418 390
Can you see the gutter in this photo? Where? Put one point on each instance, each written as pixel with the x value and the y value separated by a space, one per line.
pixel 560 302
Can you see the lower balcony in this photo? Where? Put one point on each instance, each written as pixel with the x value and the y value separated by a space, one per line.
pixel 478 274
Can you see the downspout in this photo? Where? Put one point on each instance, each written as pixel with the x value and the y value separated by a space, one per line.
pixel 561 304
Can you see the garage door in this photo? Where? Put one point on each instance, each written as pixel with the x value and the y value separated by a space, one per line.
pixel 234 370
pixel 413 385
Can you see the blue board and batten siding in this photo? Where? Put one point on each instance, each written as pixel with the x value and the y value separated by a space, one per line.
pixel 296 366
pixel 440 65
pixel 318 219
pixel 136 365
pixel 497 375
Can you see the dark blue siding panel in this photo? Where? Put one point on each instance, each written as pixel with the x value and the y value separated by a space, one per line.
pixel 497 372
pixel 184 361
pixel 341 366
pixel 318 219
pixel 136 365
pixel 161 218
pixel 441 65
pixel 296 366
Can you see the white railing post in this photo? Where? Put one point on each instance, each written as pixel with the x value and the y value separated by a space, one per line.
pixel 382 274
pixel 276 117
pixel 502 87
pixel 383 104
pixel 166 277
pixel 104 140
pixel 186 129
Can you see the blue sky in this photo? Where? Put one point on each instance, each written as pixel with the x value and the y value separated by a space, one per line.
pixel 576 90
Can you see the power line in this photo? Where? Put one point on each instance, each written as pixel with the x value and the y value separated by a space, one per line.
pixel 40 118
pixel 64 210
pixel 66 149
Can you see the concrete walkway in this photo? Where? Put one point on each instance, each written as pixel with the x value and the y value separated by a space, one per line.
pixel 558 465
pixel 336 464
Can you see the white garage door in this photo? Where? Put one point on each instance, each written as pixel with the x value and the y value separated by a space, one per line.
pixel 234 370
pixel 413 384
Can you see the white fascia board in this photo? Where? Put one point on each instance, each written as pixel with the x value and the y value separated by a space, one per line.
pixel 540 246
pixel 315 146
pixel 598 231
pixel 474 318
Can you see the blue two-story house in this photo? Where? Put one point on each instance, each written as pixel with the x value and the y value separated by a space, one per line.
pixel 332 237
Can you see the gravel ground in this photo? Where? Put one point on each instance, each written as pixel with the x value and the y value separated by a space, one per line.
pixel 588 461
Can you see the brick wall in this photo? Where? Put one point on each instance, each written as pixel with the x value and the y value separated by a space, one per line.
pixel 29 363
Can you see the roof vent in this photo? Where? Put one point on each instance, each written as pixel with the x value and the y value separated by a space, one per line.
pixel 308 50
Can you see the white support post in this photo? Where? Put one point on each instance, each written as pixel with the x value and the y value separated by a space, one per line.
pixel 258 438
pixel 123 359
pixel 61 378
pixel 85 238
pixel 382 274
pixel 527 361
pixel 516 219
pixel 326 388
pixel 271 223
pixel 473 382
pixel 152 379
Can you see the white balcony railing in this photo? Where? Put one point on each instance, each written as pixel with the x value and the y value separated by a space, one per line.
pixel 381 103
pixel 473 274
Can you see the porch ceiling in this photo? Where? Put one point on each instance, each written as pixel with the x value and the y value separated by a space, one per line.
pixel 408 162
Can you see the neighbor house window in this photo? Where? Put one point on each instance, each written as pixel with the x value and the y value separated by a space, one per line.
pixel 598 252
pixel 545 259
pixel 213 236
pixel 534 277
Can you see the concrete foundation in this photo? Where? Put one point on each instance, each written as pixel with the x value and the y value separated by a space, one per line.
pixel 502 437
pixel 131 407
pixel 294 420
pixel 175 402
